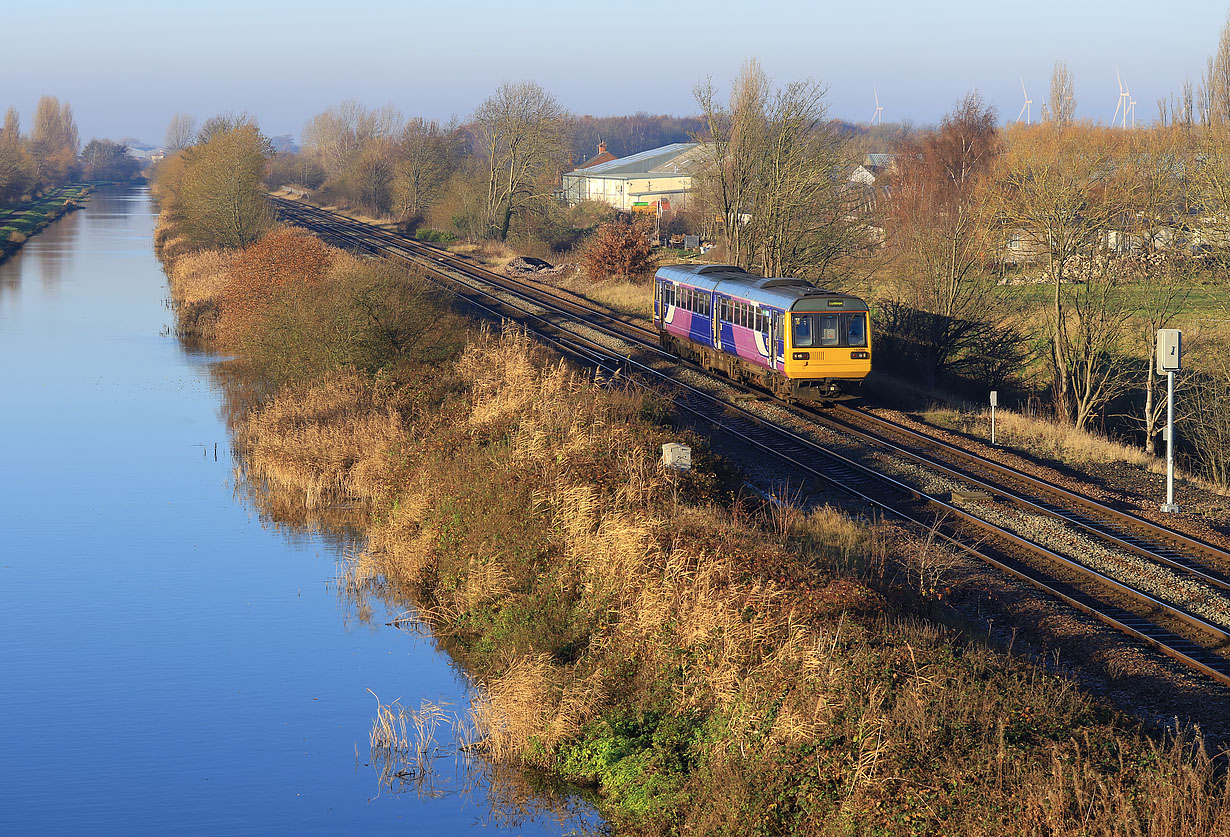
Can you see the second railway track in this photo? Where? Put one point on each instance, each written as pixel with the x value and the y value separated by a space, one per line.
pixel 620 345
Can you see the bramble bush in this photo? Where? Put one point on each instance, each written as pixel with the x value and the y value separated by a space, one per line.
pixel 620 249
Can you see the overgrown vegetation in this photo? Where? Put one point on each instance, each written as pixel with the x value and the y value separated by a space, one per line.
pixel 706 671
pixel 705 665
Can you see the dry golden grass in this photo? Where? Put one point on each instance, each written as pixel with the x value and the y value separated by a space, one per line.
pixel 403 741
pixel 620 295
pixel 329 440
pixel 201 276
pixel 1042 436
pixel 704 600
pixel 532 708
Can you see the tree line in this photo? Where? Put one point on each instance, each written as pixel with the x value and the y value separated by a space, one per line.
pixel 1108 232
pixel 51 154
pixel 1045 257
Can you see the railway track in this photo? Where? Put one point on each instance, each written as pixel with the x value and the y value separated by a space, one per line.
pixel 622 347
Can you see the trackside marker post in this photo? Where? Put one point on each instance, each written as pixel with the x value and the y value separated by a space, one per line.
pixel 994 404
pixel 1169 361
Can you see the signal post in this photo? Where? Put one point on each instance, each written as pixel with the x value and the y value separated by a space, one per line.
pixel 1169 361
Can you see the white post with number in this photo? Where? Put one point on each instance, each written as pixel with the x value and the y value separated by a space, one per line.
pixel 994 404
pixel 1169 361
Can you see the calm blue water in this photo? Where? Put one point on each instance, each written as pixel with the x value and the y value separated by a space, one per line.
pixel 169 663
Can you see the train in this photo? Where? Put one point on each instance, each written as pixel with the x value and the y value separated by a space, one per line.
pixel 800 342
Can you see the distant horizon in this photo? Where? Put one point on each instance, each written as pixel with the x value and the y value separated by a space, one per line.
pixel 129 71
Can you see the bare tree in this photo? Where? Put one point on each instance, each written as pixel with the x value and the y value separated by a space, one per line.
pixel 180 132
pixel 1205 400
pixel 1060 196
pixel 223 123
pixel 940 232
pixel 426 156
pixel 1063 96
pixel 773 166
pixel 338 134
pixel 1204 95
pixel 371 173
pixel 732 142
pixel 521 133
pixel 54 142
pixel 1210 185
pixel 1219 79
pixel 17 170
pixel 1150 240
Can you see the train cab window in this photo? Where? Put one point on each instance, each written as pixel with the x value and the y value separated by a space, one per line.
pixel 856 330
pixel 828 329
pixel 801 330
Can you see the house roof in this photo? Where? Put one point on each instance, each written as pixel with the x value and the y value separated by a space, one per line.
pixel 668 159
pixel 604 157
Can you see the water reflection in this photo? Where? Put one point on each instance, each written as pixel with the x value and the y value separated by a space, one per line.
pixel 167 663
pixel 432 752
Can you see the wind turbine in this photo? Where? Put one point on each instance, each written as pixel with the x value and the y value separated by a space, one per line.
pixel 1125 101
pixel 1131 106
pixel 877 116
pixel 1026 110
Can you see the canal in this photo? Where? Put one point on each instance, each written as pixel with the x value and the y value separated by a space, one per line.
pixel 171 661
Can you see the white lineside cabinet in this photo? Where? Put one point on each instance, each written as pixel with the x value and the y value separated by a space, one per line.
pixel 677 456
pixel 1169 350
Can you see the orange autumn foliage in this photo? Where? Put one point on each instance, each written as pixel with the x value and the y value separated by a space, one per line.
pixel 285 258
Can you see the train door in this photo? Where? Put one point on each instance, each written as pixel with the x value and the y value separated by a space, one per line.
pixel 777 341
pixel 657 302
pixel 715 322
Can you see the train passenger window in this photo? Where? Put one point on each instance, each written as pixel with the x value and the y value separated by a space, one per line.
pixel 856 330
pixel 801 329
pixel 828 329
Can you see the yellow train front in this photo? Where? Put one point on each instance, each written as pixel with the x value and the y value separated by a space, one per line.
pixel 786 335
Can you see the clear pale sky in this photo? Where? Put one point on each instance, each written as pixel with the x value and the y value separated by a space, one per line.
pixel 126 67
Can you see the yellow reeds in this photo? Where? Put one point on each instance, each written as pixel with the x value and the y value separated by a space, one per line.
pixel 330 440
pixel 197 277
pixel 403 741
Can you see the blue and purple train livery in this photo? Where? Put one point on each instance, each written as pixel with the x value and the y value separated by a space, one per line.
pixel 797 340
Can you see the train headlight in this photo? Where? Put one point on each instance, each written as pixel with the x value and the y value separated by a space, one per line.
pixel 859 355
pixel 800 356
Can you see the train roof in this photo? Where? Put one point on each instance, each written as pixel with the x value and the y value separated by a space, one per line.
pixel 782 292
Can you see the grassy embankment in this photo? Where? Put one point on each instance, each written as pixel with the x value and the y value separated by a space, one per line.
pixel 707 669
pixel 20 221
